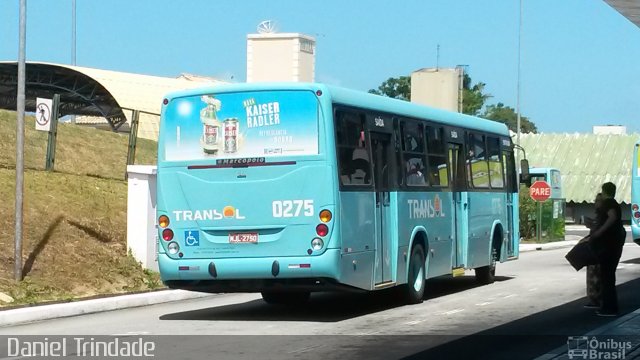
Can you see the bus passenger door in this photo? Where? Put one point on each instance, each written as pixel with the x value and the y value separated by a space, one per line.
pixel 382 159
pixel 512 190
pixel 460 205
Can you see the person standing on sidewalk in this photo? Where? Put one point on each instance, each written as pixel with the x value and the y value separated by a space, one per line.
pixel 607 242
pixel 594 279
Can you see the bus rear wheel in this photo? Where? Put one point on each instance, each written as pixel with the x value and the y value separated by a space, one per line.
pixel 414 289
pixel 285 298
pixel 487 274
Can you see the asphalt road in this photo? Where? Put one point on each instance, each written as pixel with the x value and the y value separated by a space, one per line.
pixel 532 309
pixel 582 231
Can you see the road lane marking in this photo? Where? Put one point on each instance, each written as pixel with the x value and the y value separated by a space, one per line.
pixel 484 303
pixel 368 333
pixel 132 333
pixel 451 312
pixel 533 289
pixel 306 349
pixel 415 322
pixel 510 295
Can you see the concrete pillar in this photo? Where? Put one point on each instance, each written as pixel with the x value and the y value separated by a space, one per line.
pixel 141 214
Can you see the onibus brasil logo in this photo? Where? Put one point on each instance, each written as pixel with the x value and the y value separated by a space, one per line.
pixel 584 347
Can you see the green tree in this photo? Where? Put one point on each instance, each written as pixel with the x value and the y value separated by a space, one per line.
pixel 473 100
pixel 473 97
pixel 508 116
pixel 397 88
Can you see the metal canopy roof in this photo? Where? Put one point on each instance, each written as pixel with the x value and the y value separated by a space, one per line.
pixel 628 8
pixel 585 161
pixel 79 94
pixel 94 92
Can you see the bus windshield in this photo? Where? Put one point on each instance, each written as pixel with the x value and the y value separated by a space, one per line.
pixel 240 125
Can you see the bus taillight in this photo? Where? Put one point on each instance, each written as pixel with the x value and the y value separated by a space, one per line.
pixel 322 230
pixel 167 234
pixel 163 221
pixel 634 207
pixel 325 216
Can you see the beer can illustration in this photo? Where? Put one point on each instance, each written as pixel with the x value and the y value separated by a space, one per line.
pixel 230 126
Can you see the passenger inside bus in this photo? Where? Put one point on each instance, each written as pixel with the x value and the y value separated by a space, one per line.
pixel 355 168
pixel 415 172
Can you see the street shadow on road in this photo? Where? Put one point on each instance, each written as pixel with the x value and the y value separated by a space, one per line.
pixel 534 335
pixel 327 307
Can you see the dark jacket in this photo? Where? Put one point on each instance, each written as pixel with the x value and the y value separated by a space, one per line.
pixel 608 243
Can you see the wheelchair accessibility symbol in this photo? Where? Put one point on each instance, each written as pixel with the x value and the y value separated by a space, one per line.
pixel 192 238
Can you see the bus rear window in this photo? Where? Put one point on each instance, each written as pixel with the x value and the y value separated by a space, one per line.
pixel 240 125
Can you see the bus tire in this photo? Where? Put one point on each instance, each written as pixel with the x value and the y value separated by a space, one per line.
pixel 487 274
pixel 285 298
pixel 414 288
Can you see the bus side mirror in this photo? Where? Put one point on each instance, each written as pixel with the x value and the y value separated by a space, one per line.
pixel 525 177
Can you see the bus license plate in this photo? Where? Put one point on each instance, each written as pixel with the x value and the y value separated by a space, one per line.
pixel 243 237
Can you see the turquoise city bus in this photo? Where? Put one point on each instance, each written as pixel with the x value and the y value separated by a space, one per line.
pixel 287 189
pixel 635 194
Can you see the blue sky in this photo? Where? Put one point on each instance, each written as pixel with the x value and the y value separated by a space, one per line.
pixel 580 58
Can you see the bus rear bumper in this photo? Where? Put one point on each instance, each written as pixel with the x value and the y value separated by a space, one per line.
pixel 309 273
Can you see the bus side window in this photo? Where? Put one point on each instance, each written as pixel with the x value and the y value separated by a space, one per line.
pixel 353 155
pixel 415 171
pixel 437 157
pixel 477 166
pixel 496 173
pixel 413 153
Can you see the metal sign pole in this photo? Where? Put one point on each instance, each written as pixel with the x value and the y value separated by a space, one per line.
pixel 20 104
pixel 539 222
pixel 53 134
pixel 133 139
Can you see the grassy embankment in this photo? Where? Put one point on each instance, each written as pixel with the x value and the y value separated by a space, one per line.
pixel 75 219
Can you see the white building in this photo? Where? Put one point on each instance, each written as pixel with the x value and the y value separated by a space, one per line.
pixel 610 130
pixel 280 57
pixel 437 87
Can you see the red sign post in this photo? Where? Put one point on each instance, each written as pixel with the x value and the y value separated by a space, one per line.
pixel 540 191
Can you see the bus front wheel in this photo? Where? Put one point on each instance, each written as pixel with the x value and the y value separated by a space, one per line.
pixel 414 289
pixel 285 298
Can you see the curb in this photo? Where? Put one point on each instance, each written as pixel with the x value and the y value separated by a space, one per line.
pixel 548 246
pixel 82 307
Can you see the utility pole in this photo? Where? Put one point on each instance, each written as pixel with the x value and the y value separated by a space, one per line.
pixel 20 140
pixel 73 42
pixel 73 32
pixel 518 89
